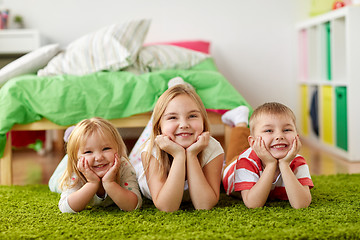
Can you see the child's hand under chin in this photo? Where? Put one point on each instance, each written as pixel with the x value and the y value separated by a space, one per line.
pixel 262 152
pixel 201 143
pixel 110 175
pixel 85 169
pixel 166 144
pixel 295 148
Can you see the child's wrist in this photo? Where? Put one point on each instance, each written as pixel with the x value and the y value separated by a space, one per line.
pixel 93 184
pixel 272 164
pixel 108 183
pixel 93 181
pixel 179 154
pixel 283 164
pixel 191 153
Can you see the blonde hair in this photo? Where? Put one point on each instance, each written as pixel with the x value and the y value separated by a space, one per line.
pixel 161 104
pixel 272 108
pixel 77 139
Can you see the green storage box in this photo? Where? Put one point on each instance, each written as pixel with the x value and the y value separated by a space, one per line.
pixel 328 50
pixel 341 118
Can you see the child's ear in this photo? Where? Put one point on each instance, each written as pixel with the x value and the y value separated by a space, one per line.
pixel 251 140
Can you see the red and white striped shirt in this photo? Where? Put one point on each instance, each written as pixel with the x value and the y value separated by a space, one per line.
pixel 244 173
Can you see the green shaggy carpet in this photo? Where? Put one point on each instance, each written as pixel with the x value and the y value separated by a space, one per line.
pixel 31 212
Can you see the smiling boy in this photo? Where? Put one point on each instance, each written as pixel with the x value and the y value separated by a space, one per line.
pixel 271 167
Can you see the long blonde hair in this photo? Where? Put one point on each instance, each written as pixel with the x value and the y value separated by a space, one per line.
pixel 77 139
pixel 161 104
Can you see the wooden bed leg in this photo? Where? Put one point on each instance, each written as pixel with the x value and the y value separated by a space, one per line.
pixel 59 141
pixel 227 133
pixel 6 165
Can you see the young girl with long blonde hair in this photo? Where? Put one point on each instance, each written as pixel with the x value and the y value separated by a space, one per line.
pixel 180 160
pixel 98 171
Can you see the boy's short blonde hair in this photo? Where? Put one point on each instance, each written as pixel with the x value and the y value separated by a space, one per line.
pixel 272 108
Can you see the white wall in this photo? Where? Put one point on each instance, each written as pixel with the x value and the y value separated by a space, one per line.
pixel 252 41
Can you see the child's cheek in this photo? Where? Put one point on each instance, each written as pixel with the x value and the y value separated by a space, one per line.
pixel 112 159
pixel 89 160
pixel 267 143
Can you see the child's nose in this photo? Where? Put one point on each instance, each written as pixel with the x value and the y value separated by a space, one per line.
pixel 279 137
pixel 98 156
pixel 184 123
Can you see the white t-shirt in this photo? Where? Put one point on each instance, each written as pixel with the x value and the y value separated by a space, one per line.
pixel 213 150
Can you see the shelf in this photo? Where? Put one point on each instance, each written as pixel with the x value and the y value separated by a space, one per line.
pixel 323 83
pixel 329 81
pixel 338 13
pixel 19 41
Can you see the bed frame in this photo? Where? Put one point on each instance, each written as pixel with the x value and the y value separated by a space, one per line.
pixel 139 120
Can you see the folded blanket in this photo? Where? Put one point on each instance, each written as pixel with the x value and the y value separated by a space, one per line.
pixel 67 99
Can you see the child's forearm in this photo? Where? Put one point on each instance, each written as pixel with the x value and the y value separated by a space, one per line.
pixel 123 198
pixel 204 184
pixel 168 197
pixel 299 195
pixel 259 193
pixel 79 200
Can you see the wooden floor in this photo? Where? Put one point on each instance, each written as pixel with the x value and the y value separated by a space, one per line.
pixel 31 168
pixel 323 163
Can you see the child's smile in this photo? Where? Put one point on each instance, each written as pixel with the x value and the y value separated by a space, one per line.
pixel 183 135
pixel 279 146
pixel 101 166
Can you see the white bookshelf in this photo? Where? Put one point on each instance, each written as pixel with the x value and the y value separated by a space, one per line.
pixel 19 41
pixel 329 62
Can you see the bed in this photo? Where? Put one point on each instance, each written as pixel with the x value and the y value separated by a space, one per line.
pixel 125 95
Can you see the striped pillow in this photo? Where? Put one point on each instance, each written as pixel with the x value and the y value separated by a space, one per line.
pixel 161 57
pixel 111 48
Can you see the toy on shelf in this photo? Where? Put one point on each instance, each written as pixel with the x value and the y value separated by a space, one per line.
pixel 4 16
pixel 338 4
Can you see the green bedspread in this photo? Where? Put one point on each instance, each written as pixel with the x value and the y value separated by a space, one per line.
pixel 65 99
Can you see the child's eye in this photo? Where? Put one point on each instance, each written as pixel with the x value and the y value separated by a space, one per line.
pixel 106 148
pixel 287 130
pixel 87 152
pixel 193 116
pixel 171 118
pixel 268 130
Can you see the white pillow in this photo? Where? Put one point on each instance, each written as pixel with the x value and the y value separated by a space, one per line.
pixel 111 48
pixel 161 57
pixel 29 63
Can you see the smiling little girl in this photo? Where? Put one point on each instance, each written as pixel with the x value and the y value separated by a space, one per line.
pixel 180 160
pixel 98 171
